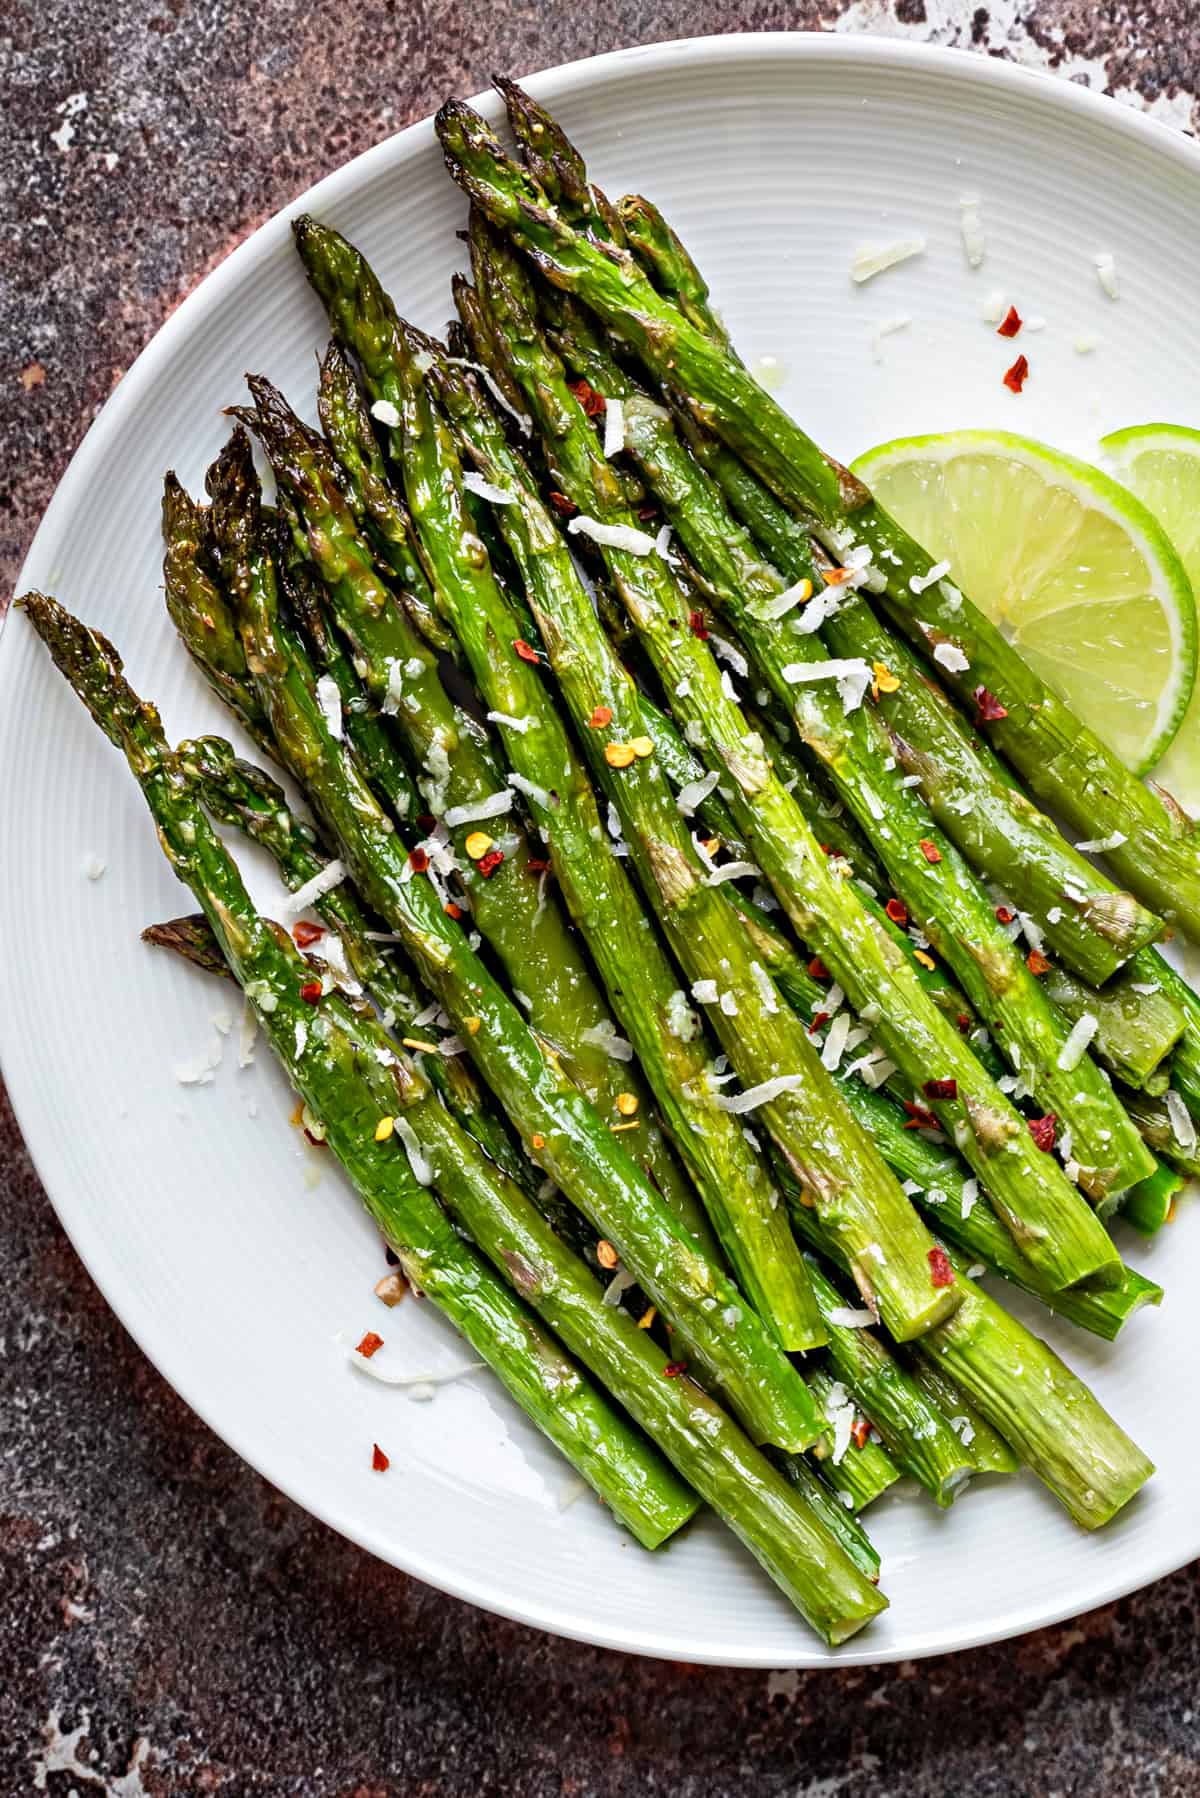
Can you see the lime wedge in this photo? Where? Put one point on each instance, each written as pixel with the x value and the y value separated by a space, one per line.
pixel 1076 572
pixel 1161 464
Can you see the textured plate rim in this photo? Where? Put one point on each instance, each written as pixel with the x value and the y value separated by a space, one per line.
pixel 551 85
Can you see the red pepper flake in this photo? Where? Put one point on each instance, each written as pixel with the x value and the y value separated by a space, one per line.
pixel 1014 377
pixel 565 507
pixel 697 626
pixel 592 402
pixel 1036 962
pixel 897 911
pixel 379 1461
pixel 673 1369
pixel 418 860
pixel 940 1089
pixel 600 717
pixel 1042 1131
pixel 1010 324
pixel 1004 914
pixel 990 709
pixel 939 1265
pixel 918 1117
pixel 818 1023
pixel 817 968
pixel 425 821
pixel 310 992
pixel 963 1022
pixel 537 864
pixel 526 651
pixel 369 1344
pixel 487 864
pixel 306 934
pixel 929 850
pixel 452 910
pixel 647 513
pixel 860 1432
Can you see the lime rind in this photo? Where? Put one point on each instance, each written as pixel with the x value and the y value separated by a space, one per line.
pixel 1095 491
pixel 1161 463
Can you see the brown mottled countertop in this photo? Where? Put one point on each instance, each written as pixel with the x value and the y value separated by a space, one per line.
pixel 169 1623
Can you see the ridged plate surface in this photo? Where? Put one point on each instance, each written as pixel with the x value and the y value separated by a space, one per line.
pixel 776 157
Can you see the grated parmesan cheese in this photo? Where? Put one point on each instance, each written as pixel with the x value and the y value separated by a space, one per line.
pixel 872 260
pixel 1183 1128
pixel 612 536
pixel 331 875
pixel 386 413
pixel 887 328
pixel 693 793
pixel 539 795
pixel 951 656
pixel 972 229
pixel 1075 1047
pixel 493 805
pixel 498 496
pixel 1106 273
pixel 849 1317
pixel 421 1170
pixel 604 1036
pixel 614 427
pixel 521 724
pixel 754 1096
pixel 918 582
pixel 1102 845
pixel 330 701
pixel 765 987
pixel 852 676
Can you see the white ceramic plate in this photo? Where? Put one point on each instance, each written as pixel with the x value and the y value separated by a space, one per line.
pixel 776 156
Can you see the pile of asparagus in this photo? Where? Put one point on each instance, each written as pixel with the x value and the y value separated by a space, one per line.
pixel 700 1001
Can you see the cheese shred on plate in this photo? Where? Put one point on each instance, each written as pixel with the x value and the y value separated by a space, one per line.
pixel 873 259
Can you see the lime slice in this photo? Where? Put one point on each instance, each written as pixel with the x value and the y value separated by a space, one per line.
pixel 1161 464
pixel 1075 571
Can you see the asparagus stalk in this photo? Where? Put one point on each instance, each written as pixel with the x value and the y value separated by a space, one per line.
pixel 734 1183
pixel 377 506
pixel 200 614
pixel 931 879
pixel 987 1448
pixel 762 1039
pixel 915 1431
pixel 1052 1225
pixel 509 904
pixel 327 1050
pixel 1065 764
pixel 1152 1202
pixel 1052 1420
pixel 839 1519
pixel 558 1127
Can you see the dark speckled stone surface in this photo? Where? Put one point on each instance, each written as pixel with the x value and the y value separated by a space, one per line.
pixel 168 1623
